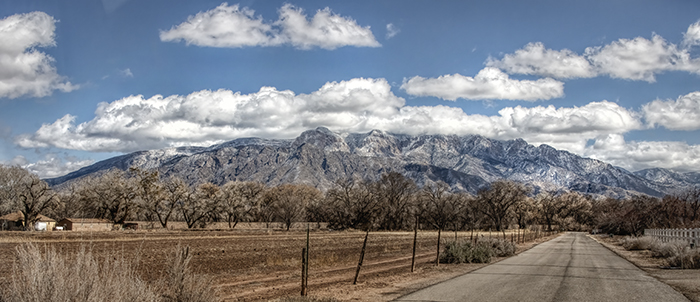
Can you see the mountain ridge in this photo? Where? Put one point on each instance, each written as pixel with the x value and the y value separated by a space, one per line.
pixel 318 157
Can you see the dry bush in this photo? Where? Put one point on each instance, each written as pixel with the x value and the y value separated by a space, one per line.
pixel 687 258
pixel 181 285
pixel 481 252
pixel 640 243
pixel 500 248
pixel 668 249
pixel 50 276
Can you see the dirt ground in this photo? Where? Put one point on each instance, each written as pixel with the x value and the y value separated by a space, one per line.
pixel 686 281
pixel 250 264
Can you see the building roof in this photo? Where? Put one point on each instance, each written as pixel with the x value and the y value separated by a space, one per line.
pixel 86 220
pixel 19 216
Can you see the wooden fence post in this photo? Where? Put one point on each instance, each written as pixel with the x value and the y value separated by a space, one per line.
pixel 362 257
pixel 304 265
pixel 415 239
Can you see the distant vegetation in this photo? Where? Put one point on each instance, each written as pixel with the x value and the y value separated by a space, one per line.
pixel 393 202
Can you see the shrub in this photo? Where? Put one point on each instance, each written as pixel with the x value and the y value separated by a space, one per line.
pixel 501 248
pixel 640 243
pixel 687 258
pixel 181 285
pixel 481 252
pixel 667 249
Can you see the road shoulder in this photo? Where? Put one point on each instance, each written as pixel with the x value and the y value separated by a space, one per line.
pixel 686 281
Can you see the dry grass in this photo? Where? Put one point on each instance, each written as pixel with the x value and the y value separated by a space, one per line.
pixel 50 276
pixel 676 253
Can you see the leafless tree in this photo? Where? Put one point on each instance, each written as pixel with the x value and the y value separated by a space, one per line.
pixel 549 207
pixel 438 208
pixel 352 204
pixel 111 195
pixel 175 193
pixel 198 208
pixel 239 199
pixel 499 199
pixel 290 201
pixel 396 195
pixel 27 193
pixel 149 193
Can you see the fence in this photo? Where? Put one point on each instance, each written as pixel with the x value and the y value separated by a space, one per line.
pixel 692 236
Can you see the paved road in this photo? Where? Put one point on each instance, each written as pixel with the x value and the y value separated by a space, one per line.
pixel 571 267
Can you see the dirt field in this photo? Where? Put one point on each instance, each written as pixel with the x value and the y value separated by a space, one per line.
pixel 251 264
pixel 686 281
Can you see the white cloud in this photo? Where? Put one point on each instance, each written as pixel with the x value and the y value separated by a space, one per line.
pixel 640 59
pixel 126 73
pixel 207 117
pixel 681 114
pixel 629 59
pixel 489 84
pixel 230 26
pixel 358 105
pixel 391 30
pixel 634 155
pixel 25 71
pixel 326 30
pixel 535 59
pixel 51 166
pixel 692 36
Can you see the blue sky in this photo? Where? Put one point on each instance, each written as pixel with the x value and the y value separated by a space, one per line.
pixel 81 81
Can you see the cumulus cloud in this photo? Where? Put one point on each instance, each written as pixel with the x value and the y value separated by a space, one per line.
pixel 638 155
pixel 637 59
pixel 358 105
pixel 207 117
pixel 681 114
pixel 640 58
pixel 535 59
pixel 489 84
pixel 391 30
pixel 234 27
pixel 25 71
pixel 692 36
pixel 51 166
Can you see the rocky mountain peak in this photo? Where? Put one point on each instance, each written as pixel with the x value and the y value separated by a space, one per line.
pixel 319 157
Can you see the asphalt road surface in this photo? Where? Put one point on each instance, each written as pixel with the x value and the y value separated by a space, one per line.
pixel 572 267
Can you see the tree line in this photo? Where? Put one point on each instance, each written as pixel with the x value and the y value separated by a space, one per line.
pixel 393 202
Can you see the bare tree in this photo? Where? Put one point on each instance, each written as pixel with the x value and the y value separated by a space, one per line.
pixel 352 204
pixel 290 201
pixel 691 198
pixel 498 201
pixel 438 208
pixel 198 208
pixel 149 193
pixel 239 199
pixel 111 195
pixel 549 207
pixel 27 193
pixel 175 193
pixel 396 195
pixel 467 212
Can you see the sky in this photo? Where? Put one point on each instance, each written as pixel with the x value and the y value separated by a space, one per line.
pixel 82 81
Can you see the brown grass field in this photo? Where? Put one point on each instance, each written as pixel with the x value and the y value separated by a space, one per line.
pixel 252 263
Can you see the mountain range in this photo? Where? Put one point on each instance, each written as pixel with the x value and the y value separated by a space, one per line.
pixel 319 157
